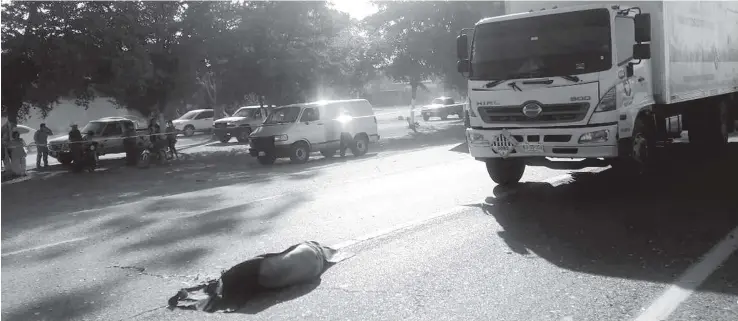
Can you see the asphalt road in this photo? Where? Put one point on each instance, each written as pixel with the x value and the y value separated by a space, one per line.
pixel 434 238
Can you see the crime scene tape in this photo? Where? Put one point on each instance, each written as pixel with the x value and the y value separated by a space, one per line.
pixel 163 135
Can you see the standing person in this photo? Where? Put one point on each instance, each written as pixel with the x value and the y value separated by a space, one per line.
pixel 345 121
pixel 41 138
pixel 75 143
pixel 154 130
pixel 172 138
pixel 18 152
pixel 8 128
pixel 129 144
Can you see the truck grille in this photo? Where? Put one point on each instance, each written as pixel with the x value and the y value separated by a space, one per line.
pixel 554 113
pixel 262 143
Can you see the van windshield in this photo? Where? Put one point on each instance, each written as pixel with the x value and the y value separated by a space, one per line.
pixel 283 115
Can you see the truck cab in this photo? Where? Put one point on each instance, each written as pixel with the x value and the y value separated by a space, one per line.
pixel 106 132
pixel 576 81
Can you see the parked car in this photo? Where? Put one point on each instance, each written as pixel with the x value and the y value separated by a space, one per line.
pixel 240 125
pixel 107 134
pixel 295 131
pixel 442 107
pixel 193 121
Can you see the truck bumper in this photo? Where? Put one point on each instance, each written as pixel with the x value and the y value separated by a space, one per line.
pixel 543 142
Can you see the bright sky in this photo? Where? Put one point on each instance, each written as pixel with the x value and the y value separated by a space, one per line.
pixel 358 9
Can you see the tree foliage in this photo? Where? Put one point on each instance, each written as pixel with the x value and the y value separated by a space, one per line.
pixel 155 57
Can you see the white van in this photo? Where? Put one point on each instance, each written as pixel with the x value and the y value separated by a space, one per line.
pixel 296 130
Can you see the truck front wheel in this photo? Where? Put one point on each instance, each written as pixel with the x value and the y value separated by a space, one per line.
pixel 505 171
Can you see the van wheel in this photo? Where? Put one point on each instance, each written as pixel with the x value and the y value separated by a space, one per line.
pixel 300 153
pixel 505 171
pixel 360 146
pixel 328 153
pixel 426 117
pixel 444 116
pixel 267 159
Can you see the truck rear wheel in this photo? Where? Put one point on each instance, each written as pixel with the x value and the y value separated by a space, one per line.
pixel 505 171
pixel 709 126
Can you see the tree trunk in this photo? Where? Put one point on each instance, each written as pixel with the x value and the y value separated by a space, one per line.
pixel 413 92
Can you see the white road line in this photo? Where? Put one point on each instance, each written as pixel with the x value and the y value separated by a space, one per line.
pixel 41 247
pixel 694 276
pixel 398 228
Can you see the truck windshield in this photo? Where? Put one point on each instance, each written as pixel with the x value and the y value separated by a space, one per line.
pixel 554 45
pixel 283 115
pixel 94 126
pixel 246 112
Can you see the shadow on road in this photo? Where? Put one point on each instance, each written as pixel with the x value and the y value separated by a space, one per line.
pixel 430 135
pixel 607 224
pixel 270 299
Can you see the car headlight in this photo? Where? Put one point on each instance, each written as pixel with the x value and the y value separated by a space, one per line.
pixel 92 147
pixel 608 102
pixel 229 124
pixel 281 138
pixel 599 136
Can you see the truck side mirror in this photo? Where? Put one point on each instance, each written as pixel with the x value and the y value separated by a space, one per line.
pixel 642 24
pixel 642 51
pixel 462 47
pixel 462 66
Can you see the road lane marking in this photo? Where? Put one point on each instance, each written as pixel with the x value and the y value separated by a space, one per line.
pixel 400 227
pixel 691 279
pixel 45 246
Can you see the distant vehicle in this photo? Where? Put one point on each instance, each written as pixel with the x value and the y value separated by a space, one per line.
pixel 193 121
pixel 295 131
pixel 240 125
pixel 107 134
pixel 442 107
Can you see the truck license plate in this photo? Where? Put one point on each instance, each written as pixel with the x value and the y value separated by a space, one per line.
pixel 532 148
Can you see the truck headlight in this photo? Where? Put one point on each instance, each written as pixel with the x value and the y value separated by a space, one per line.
pixel 599 136
pixel 608 102
pixel 281 138
pixel 475 137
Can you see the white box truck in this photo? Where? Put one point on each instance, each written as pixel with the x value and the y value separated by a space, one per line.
pixel 598 81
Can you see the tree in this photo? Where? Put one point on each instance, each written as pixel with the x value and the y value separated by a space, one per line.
pixel 421 37
pixel 44 57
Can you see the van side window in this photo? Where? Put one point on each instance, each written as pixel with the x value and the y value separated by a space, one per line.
pixel 310 114
pixel 624 39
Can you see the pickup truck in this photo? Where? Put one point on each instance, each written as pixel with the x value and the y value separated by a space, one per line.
pixel 245 120
pixel 107 132
pixel 442 107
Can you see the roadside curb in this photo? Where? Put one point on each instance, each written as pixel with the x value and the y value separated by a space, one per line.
pixel 185 147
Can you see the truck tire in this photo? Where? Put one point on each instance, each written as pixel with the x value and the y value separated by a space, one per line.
pixel 188 131
pixel 444 116
pixel 267 159
pixel 300 153
pixel 65 159
pixel 505 171
pixel 243 136
pixel 426 117
pixel 224 138
pixel 709 126
pixel 637 154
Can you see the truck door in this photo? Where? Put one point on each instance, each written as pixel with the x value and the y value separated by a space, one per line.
pixel 110 141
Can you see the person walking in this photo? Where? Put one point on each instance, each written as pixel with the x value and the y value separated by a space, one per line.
pixel 41 139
